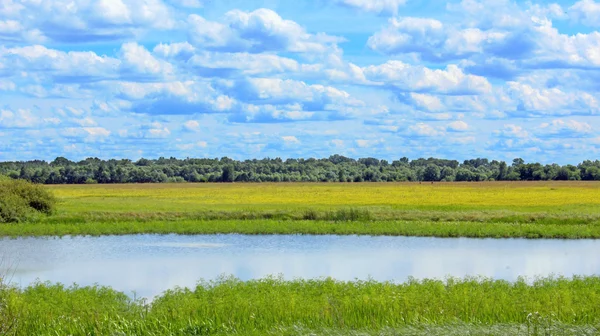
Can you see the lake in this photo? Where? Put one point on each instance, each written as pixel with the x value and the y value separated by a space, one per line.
pixel 150 264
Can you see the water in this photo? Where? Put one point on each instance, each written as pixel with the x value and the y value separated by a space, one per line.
pixel 150 264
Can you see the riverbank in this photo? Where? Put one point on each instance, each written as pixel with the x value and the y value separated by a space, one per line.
pixel 489 209
pixel 273 306
pixel 314 227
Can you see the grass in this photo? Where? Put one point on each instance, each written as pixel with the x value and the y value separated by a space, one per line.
pixel 492 209
pixel 389 228
pixel 303 307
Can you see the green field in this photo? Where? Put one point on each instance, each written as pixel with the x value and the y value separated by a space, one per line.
pixel 552 306
pixel 488 209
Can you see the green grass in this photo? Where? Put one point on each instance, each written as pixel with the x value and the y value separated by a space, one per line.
pixel 303 307
pixel 318 227
pixel 491 209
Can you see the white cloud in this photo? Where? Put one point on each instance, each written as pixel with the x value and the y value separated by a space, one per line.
pixel 175 97
pixel 157 131
pixel 424 130
pixel 290 139
pixel 376 6
pixel 586 12
pixel 83 20
pixel 465 140
pixel 192 146
pixel 407 77
pixel 559 128
pixel 189 3
pixel 21 118
pixel 457 126
pixel 112 11
pixel 251 113
pixel 368 143
pixel 338 143
pixel 192 126
pixel 286 91
pixel 174 50
pixel 222 64
pixel 65 66
pixel 6 85
pixel 87 134
pixel 136 60
pixel 511 131
pixel 552 101
pixel 426 102
pixel 258 31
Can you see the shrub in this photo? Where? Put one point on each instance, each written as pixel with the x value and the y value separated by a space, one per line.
pixel 349 215
pixel 19 200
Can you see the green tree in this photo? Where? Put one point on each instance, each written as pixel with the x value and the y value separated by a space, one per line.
pixel 228 174
pixel 431 173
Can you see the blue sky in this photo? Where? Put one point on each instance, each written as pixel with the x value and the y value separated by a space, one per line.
pixel 276 78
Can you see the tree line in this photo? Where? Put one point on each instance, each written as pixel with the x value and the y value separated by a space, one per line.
pixel 336 168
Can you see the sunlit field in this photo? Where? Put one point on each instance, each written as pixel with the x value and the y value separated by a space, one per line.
pixel 188 197
pixel 489 209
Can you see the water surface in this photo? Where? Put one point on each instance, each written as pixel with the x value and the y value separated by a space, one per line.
pixel 150 264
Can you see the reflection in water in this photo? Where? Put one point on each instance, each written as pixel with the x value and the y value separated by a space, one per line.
pixel 150 264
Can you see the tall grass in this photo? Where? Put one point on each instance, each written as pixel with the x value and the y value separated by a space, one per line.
pixel 275 306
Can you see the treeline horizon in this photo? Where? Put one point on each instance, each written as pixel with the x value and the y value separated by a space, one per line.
pixel 336 168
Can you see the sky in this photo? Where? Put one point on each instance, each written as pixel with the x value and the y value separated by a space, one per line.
pixel 307 78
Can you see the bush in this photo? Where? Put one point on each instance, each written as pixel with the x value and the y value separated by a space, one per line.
pixel 19 200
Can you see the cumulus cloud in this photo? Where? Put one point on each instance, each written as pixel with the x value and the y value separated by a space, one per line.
pixel 174 98
pixel 457 126
pixel 551 101
pixel 219 64
pixel 192 126
pixel 586 12
pixel 276 91
pixel 75 80
pixel 137 61
pixel 424 130
pixel 290 139
pixel 74 21
pixel 406 77
pixel 559 128
pixel 21 118
pixel 258 31
pixel 72 66
pixel 434 41
pixel 389 7
pixel 369 143
pixel 250 113
pixel 511 131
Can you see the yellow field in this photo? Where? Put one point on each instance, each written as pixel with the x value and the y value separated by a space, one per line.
pixel 491 209
pixel 517 196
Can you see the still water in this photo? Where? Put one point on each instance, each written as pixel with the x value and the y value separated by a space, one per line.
pixel 150 264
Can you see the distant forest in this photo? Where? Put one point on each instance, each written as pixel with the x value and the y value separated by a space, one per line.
pixel 336 168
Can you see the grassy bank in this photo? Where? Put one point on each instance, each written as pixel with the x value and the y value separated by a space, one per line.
pixel 318 227
pixel 490 209
pixel 302 307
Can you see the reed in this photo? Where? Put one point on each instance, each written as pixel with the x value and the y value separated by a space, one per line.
pixel 228 306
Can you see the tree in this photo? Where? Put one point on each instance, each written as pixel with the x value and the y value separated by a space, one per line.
pixel 228 174
pixel 517 162
pixel 431 173
pixel 502 171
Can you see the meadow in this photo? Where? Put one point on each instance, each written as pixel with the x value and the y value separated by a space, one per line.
pixel 226 306
pixel 550 209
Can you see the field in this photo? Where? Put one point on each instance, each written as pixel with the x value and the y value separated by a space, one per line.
pixel 552 306
pixel 227 306
pixel 490 209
